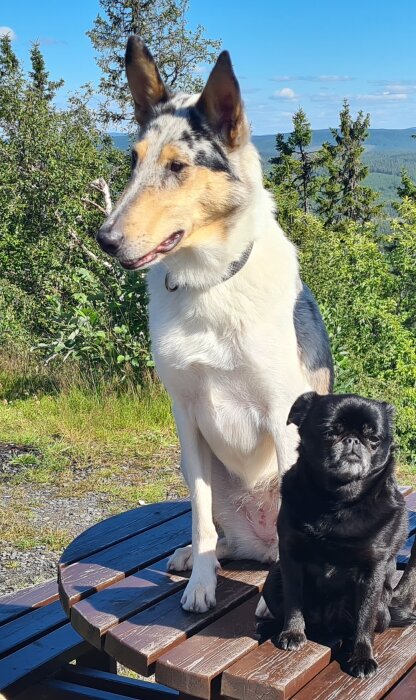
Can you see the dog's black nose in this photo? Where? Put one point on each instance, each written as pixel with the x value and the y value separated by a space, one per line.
pixel 352 444
pixel 110 239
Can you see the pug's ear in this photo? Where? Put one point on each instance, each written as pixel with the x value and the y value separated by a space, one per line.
pixel 146 85
pixel 300 408
pixel 390 409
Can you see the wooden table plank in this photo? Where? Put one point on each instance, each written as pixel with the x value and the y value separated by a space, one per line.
pixel 195 666
pixel 395 651
pixel 62 690
pixel 405 490
pixel 405 689
pixel 22 602
pixel 141 639
pixel 30 627
pixel 38 659
pixel 270 673
pixel 95 615
pixel 110 565
pixel 121 526
pixel 411 500
pixel 129 687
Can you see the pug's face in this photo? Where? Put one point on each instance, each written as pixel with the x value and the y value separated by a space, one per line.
pixel 345 438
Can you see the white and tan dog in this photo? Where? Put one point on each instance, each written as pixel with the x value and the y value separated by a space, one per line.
pixel 236 336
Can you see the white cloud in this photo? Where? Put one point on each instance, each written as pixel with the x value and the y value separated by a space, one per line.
pixel 383 97
pixel 284 94
pixel 7 31
pixel 313 78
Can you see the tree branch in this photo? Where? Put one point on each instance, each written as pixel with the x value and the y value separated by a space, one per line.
pixel 102 186
pixel 86 200
pixel 89 252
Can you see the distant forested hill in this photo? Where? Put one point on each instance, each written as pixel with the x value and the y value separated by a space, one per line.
pixel 387 152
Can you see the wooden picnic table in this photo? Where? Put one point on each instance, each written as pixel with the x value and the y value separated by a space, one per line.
pixel 115 588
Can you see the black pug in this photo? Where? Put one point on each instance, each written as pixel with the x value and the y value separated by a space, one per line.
pixel 341 523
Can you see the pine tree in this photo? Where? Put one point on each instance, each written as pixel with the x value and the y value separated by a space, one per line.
pixel 40 76
pixel 407 187
pixel 295 166
pixel 162 25
pixel 343 197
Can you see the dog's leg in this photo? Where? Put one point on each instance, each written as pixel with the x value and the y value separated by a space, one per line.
pixel 362 663
pixel 293 634
pixel 182 559
pixel 196 460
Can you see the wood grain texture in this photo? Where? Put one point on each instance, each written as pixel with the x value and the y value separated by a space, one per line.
pixel 39 659
pixel 405 689
pixel 395 651
pixel 121 526
pixel 195 666
pixel 110 565
pixel 22 602
pixel 270 673
pixel 95 615
pixel 143 638
pixel 30 627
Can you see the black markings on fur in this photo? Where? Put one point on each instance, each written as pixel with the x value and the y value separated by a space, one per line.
pixel 187 138
pixel 167 109
pixel 211 160
pixel 200 130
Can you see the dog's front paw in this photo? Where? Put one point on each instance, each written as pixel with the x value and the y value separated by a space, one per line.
pixel 291 640
pixel 199 595
pixel 363 667
pixel 181 559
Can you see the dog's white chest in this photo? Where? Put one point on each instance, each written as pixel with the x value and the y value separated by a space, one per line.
pixel 211 371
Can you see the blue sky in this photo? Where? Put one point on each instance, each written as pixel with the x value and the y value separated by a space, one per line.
pixel 286 55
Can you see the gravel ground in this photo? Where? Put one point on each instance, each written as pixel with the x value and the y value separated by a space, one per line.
pixel 21 568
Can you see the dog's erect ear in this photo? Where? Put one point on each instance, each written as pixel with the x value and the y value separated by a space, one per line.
pixel 145 83
pixel 220 103
pixel 300 408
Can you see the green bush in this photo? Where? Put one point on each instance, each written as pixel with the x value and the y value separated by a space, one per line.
pixel 361 297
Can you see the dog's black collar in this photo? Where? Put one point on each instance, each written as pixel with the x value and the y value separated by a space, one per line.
pixel 233 268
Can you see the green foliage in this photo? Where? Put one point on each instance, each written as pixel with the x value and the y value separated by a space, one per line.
pixel 162 24
pixel 361 292
pixel 402 257
pixel 295 167
pixel 343 197
pixel 407 187
pixel 100 325
pixel 58 293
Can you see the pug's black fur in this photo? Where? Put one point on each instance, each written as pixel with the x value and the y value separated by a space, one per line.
pixel 341 523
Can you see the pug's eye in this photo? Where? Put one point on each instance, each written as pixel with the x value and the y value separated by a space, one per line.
pixel 175 166
pixel 374 443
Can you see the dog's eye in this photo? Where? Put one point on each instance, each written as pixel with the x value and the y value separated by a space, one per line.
pixel 175 166
pixel 134 159
pixel 374 442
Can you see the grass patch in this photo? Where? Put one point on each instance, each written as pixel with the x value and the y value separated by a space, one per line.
pixel 82 428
